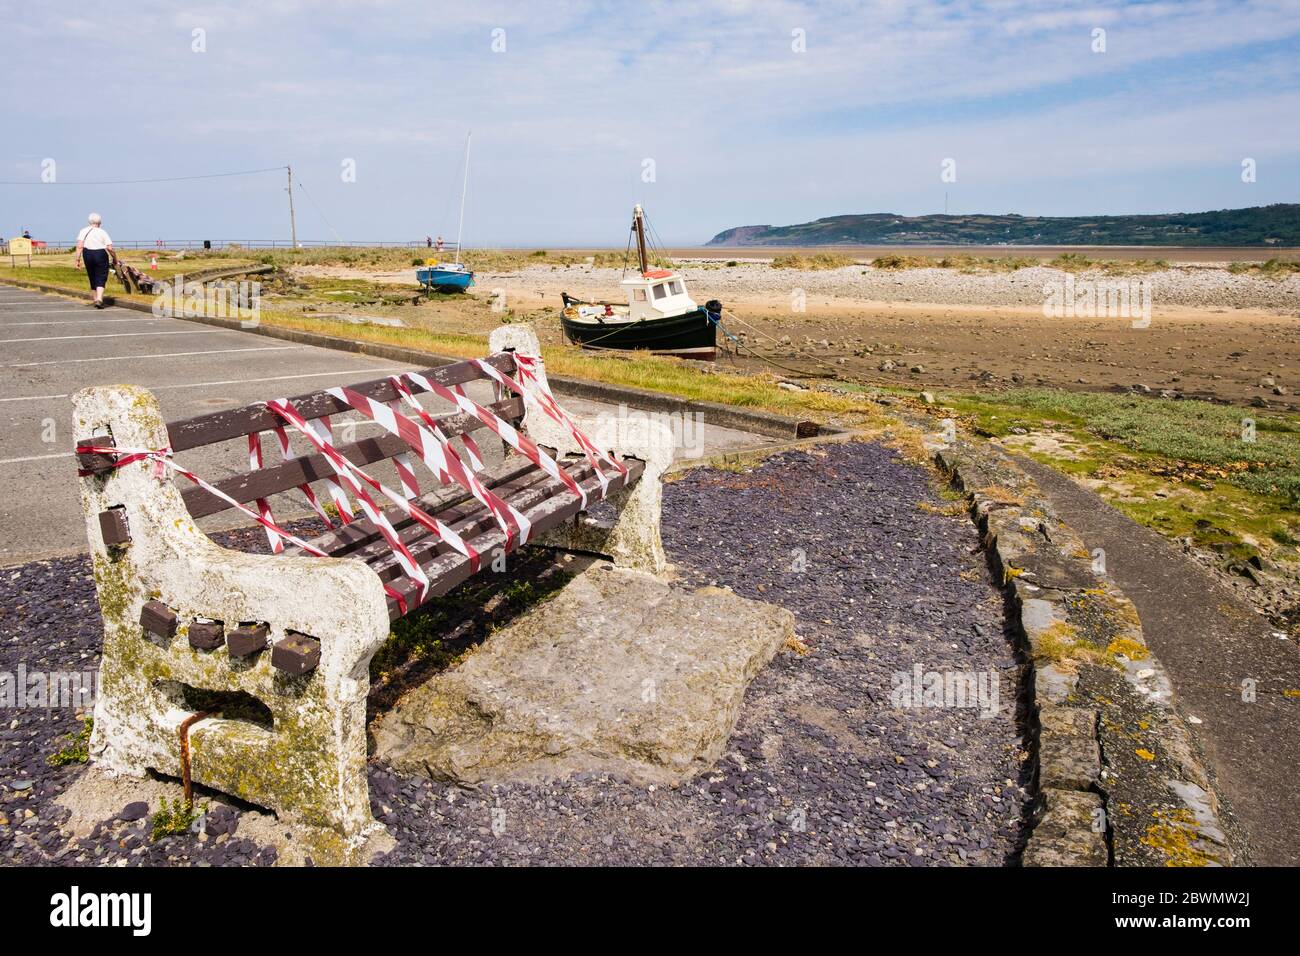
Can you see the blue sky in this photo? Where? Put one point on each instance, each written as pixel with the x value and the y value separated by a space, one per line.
pixel 742 127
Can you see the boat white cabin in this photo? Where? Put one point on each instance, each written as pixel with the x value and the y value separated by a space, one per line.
pixel 657 295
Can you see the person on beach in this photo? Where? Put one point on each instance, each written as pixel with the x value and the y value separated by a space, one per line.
pixel 95 246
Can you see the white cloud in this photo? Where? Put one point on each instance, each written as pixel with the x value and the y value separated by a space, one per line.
pixel 735 119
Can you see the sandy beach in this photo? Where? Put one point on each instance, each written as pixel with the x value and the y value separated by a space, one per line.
pixel 1212 333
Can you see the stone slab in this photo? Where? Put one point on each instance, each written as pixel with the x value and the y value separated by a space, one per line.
pixel 620 673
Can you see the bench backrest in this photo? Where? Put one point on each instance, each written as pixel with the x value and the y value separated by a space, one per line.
pixel 217 427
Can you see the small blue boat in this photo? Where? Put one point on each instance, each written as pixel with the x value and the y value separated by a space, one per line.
pixel 445 277
pixel 449 276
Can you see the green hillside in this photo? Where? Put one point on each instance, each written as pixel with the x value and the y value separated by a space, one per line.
pixel 1276 225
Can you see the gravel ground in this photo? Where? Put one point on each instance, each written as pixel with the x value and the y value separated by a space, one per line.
pixel 1195 287
pixel 1205 285
pixel 822 768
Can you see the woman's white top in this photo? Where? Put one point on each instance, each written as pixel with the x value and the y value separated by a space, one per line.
pixel 93 237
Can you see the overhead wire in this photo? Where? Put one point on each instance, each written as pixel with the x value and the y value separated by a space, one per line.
pixel 132 182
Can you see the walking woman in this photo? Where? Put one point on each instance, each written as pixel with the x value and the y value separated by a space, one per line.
pixel 94 246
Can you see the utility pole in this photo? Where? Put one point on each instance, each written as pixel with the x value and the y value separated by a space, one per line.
pixel 293 225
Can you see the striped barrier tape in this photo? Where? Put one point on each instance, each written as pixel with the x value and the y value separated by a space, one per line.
pixel 504 430
pixel 427 441
pixel 324 429
pixel 434 449
pixel 288 454
pixel 529 368
pixel 355 479
pixel 162 460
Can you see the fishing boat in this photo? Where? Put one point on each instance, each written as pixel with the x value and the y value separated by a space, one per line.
pixel 453 276
pixel 444 276
pixel 660 316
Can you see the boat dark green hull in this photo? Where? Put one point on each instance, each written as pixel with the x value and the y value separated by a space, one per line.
pixel 689 335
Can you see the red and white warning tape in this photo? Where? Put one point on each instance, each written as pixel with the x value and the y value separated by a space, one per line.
pixel 428 441
pixel 529 387
pixel 356 479
pixel 162 461
pixel 440 458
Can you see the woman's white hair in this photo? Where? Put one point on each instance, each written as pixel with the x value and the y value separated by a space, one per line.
pixel 94 219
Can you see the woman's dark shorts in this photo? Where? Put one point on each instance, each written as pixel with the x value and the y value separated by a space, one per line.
pixel 96 266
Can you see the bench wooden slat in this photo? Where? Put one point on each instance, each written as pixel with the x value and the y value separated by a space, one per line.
pixel 221 426
pixel 452 568
pixel 470 519
pixel 450 511
pixel 361 537
pixel 288 475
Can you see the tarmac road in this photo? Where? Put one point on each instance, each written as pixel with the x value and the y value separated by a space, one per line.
pixel 1210 641
pixel 52 346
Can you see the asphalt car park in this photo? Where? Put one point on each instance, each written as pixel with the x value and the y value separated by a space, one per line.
pixel 51 346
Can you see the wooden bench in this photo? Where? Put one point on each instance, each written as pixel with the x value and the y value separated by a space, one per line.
pixel 278 646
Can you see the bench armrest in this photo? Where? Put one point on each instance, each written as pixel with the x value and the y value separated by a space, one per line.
pixel 627 433
pixel 633 538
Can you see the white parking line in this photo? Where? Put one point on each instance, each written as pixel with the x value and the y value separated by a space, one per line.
pixel 35 398
pixel 132 358
pixel 14 325
pixel 15 461
pixel 87 310
pixel 110 335
pixel 233 381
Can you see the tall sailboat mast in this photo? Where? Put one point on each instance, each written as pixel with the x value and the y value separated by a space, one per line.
pixel 638 223
pixel 463 187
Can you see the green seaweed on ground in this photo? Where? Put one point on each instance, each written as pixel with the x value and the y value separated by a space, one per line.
pixel 174 818
pixel 77 750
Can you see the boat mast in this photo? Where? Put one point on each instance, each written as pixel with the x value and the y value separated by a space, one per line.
pixel 463 187
pixel 638 224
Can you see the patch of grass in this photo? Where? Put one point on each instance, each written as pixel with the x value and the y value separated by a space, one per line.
pixel 1078 262
pixel 639 370
pixel 174 819
pixel 1067 261
pixel 1272 268
pixel 896 260
pixel 816 262
pixel 1072 262
pixel 1127 647
pixel 418 635
pixel 959 261
pixel 422 635
pixel 1178 467
pixel 951 510
pixel 1177 431
pixel 77 750
pixel 1130 266
pixel 60 269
